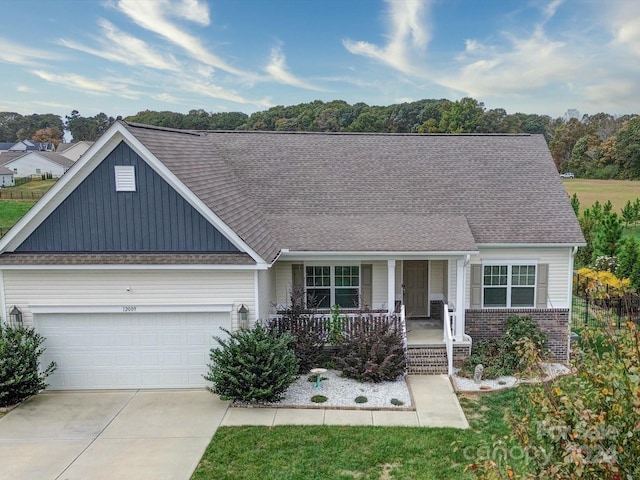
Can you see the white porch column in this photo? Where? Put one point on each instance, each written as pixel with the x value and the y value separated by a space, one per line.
pixel 460 285
pixel 391 285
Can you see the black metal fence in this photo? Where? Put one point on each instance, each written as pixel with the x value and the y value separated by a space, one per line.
pixel 605 305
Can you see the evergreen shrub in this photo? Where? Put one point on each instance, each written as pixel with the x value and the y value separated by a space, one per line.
pixel 20 374
pixel 252 365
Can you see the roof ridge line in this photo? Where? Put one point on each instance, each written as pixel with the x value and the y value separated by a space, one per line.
pixel 162 129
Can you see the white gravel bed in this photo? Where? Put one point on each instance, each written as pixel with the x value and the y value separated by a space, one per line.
pixel 463 384
pixel 342 392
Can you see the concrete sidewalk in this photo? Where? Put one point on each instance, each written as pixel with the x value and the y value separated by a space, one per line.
pixel 435 401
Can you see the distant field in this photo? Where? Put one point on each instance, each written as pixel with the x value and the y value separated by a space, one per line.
pixel 618 191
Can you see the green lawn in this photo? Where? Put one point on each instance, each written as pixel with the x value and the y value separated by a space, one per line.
pixel 365 453
pixel 11 211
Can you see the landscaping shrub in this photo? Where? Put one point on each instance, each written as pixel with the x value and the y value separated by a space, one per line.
pixel 372 353
pixel 503 356
pixel 252 365
pixel 20 376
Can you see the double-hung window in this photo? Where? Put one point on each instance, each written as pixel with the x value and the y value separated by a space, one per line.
pixel 333 285
pixel 506 285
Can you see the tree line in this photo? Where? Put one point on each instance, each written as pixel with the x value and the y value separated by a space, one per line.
pixel 594 146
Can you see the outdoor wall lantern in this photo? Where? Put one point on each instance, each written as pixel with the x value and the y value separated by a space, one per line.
pixel 15 317
pixel 243 314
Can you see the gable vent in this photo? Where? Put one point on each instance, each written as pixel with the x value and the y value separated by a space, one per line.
pixel 125 178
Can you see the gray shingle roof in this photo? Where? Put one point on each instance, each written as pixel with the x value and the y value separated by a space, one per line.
pixel 328 191
pixel 61 160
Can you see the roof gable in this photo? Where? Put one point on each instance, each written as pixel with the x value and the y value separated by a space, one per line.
pixel 97 218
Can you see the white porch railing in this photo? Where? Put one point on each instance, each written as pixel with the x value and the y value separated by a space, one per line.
pixel 349 322
pixel 448 337
pixel 403 325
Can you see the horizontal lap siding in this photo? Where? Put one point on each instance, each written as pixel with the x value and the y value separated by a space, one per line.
pixel 556 258
pixel 437 273
pixel 379 293
pixel 282 281
pixel 108 287
pixel 266 292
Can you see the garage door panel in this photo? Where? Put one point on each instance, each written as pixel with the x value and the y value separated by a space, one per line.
pixel 129 350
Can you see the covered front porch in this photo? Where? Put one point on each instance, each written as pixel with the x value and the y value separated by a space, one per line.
pixel 427 293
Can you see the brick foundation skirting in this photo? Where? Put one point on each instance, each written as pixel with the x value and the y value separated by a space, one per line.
pixel 489 323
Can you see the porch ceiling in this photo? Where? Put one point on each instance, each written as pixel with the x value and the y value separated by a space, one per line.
pixel 373 233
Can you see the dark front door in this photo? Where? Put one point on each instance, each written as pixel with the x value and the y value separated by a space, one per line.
pixel 416 291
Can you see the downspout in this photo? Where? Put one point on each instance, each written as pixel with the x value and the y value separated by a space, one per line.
pixel 466 337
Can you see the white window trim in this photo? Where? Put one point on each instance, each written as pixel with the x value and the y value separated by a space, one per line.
pixel 509 264
pixel 332 287
pixel 125 178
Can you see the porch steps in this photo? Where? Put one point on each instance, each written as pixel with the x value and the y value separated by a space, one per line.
pixel 426 360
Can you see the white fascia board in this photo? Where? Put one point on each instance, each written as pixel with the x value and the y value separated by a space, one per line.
pixel 136 267
pixel 530 245
pixel 190 197
pixel 296 255
pixel 131 308
pixel 62 188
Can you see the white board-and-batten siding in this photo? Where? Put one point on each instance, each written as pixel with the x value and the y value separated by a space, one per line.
pixel 558 259
pixel 89 288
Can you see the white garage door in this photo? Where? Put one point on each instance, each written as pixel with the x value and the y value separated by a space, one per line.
pixel 129 350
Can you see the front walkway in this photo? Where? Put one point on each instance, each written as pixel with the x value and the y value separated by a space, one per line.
pixel 435 401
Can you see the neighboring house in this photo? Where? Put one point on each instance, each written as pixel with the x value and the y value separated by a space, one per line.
pixel 6 177
pixel 28 164
pixel 31 146
pixel 73 151
pixel 5 146
pixel 157 237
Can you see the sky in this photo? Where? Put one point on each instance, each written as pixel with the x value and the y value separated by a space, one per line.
pixel 124 56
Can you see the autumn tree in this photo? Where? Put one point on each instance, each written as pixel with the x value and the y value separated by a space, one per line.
pixel 49 134
pixel 627 149
pixel 564 139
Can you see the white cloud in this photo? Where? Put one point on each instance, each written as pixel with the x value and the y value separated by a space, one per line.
pixel 211 90
pixel 25 89
pixel 155 16
pixel 551 8
pixel 11 52
pixel 87 85
pixel 524 65
pixel 165 97
pixel 624 23
pixel 408 33
pixel 118 46
pixel 278 70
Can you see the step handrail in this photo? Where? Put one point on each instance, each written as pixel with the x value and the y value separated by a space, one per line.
pixel 448 339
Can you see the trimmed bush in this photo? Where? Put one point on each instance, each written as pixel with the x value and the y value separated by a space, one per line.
pixel 372 353
pixel 20 376
pixel 252 365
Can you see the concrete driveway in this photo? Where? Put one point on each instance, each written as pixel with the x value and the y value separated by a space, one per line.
pixel 108 435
